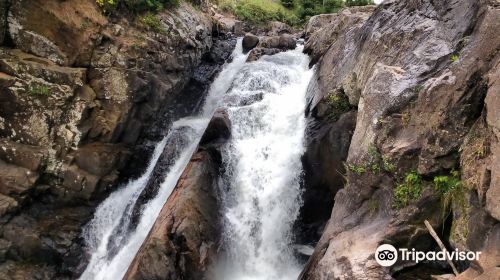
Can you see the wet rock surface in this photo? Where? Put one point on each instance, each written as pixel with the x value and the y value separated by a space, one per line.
pixel 422 82
pixel 269 45
pixel 183 241
pixel 249 41
pixel 84 99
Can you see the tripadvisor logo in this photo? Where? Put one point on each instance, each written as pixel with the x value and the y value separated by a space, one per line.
pixel 387 255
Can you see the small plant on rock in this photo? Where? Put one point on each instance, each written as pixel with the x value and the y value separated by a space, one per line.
pixel 452 190
pixel 152 22
pixel 39 90
pixel 339 104
pixel 388 166
pixel 454 58
pixel 356 168
pixel 409 191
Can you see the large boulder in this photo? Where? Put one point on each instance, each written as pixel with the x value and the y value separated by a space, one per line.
pixel 218 129
pixel 249 42
pixel 257 53
pixel 282 42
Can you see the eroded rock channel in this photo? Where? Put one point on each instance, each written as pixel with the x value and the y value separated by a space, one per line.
pixel 210 148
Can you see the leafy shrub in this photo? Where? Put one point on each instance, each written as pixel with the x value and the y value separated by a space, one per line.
pixel 356 168
pixel 263 11
pixel 452 191
pixel 309 8
pixel 351 3
pixel 446 184
pixel 227 5
pixel 388 166
pixel 410 190
pixel 288 3
pixel 339 104
pixel 152 22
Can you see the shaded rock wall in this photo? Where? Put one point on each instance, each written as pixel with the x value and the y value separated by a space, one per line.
pixel 83 99
pixel 423 81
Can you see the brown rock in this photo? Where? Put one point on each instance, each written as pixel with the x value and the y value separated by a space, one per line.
pixel 7 204
pixel 415 109
pixel 69 32
pixel 78 183
pixel 183 240
pixel 100 159
pixel 258 52
pixel 218 129
pixel 14 180
pixel 26 156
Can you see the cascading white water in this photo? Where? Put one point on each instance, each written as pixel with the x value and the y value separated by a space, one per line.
pixel 261 188
pixel 117 209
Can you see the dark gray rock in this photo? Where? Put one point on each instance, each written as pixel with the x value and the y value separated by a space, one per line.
pixel 249 42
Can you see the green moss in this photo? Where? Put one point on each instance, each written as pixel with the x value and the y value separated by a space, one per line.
pixel 408 191
pixel 39 90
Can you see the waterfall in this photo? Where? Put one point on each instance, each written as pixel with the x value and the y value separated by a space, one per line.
pixel 260 189
pixel 106 264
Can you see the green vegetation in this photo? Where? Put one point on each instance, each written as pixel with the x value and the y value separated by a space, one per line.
pixel 152 22
pixel 292 12
pixel 259 11
pixel 135 6
pixel 39 90
pixel 452 190
pixel 308 8
pixel 339 104
pixel 408 191
pixel 454 58
pixel 387 165
pixel 358 169
pixel 446 184
pixel 418 88
pixel 351 3
pixel 375 163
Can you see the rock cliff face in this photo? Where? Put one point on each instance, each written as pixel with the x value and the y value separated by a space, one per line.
pixel 423 77
pixel 83 96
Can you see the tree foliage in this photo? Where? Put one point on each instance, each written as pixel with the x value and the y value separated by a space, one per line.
pixel 351 3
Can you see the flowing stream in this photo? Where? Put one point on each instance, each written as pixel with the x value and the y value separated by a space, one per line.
pixel 260 190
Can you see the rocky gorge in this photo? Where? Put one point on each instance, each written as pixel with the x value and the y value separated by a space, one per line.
pixel 401 126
